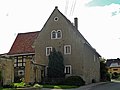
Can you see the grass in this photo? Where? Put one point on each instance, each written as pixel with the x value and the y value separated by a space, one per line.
pixel 22 84
pixel 7 89
pixel 41 86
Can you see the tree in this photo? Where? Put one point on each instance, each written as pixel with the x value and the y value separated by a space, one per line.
pixel 0 77
pixel 56 65
pixel 104 75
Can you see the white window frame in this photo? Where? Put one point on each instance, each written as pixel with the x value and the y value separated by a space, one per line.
pixel 56 18
pixel 52 34
pixel 65 51
pixel 56 34
pixel 47 54
pixel 65 71
pixel 60 34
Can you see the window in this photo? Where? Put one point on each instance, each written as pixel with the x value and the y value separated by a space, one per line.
pixel 59 34
pixel 15 64
pixel 56 34
pixel 115 69
pixel 19 61
pixel 67 49
pixel 53 34
pixel 48 50
pixel 56 19
pixel 68 69
pixel 19 64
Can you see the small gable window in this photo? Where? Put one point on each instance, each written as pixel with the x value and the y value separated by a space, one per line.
pixel 48 50
pixel 56 34
pixel 56 19
pixel 67 49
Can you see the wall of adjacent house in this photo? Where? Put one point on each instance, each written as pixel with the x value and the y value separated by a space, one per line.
pixel 7 68
pixel 91 64
pixel 114 69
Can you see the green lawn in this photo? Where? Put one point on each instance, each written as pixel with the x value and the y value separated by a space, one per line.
pixel 7 89
pixel 41 86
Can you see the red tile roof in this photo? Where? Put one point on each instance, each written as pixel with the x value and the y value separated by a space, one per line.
pixel 23 43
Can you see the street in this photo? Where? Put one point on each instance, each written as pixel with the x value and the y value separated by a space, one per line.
pixel 108 86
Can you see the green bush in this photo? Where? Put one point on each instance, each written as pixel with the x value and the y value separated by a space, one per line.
pixel 115 75
pixel 53 81
pixel 74 80
pixel 22 84
pixel 108 77
pixel 7 86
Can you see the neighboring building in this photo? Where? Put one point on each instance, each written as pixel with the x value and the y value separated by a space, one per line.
pixel 21 51
pixel 31 50
pixel 113 65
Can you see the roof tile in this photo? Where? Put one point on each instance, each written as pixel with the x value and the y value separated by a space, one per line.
pixel 23 43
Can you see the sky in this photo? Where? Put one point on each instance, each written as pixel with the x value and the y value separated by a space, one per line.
pixel 98 21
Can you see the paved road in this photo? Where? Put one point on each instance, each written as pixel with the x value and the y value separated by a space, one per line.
pixel 108 86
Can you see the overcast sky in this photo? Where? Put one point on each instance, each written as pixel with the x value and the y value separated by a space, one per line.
pixel 98 21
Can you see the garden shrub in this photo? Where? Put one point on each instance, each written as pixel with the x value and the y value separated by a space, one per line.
pixel 115 75
pixel 8 86
pixel 53 81
pixel 108 77
pixel 74 80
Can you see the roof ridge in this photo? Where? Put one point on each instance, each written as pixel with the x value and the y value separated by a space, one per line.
pixel 29 32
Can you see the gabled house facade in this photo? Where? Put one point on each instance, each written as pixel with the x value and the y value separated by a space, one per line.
pixel 30 51
pixel 21 53
pixel 80 58
pixel 113 65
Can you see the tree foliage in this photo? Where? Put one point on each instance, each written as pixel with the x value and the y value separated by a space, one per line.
pixel 104 75
pixel 0 75
pixel 56 65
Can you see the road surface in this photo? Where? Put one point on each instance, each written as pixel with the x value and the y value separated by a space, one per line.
pixel 108 86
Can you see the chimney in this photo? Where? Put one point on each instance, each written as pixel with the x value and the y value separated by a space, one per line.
pixel 76 22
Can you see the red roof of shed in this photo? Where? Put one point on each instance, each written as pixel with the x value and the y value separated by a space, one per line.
pixel 23 43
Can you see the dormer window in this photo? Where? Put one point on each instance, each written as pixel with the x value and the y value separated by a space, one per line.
pixel 56 34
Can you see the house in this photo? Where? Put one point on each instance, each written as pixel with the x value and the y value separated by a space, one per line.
pixel 30 51
pixel 113 65
pixel 80 58
pixel 22 51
